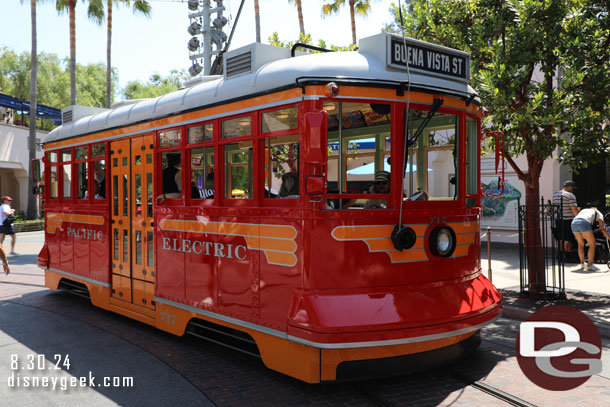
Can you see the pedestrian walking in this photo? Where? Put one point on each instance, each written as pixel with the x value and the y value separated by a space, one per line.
pixel 7 217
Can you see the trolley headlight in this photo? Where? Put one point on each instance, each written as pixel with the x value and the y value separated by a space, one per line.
pixel 403 237
pixel 442 241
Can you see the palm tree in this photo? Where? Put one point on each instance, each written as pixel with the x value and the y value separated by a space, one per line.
pixel 300 12
pixel 361 7
pixel 32 210
pixel 141 6
pixel 257 19
pixel 95 11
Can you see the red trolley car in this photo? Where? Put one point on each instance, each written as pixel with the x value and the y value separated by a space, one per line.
pixel 320 211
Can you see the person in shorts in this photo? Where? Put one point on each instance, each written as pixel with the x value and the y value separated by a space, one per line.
pixel 5 227
pixel 582 227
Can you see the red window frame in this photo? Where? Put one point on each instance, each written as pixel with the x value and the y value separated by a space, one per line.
pixel 187 164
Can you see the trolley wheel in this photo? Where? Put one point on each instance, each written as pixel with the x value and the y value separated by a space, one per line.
pixel 608 264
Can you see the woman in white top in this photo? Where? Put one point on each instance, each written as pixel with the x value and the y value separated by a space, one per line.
pixel 582 227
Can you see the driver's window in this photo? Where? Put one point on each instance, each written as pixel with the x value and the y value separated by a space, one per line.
pixel 431 172
pixel 359 151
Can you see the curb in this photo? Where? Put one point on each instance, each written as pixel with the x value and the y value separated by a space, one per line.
pixel 520 314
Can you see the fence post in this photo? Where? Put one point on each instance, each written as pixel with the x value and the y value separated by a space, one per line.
pixel 489 253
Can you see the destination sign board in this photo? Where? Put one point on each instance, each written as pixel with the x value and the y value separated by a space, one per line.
pixel 428 58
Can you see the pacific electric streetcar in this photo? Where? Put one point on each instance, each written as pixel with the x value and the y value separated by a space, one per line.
pixel 318 210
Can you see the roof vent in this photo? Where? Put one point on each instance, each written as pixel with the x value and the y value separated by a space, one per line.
pixel 251 58
pixel 66 116
pixel 239 64
pixel 71 114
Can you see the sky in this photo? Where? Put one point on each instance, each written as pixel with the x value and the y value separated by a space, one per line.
pixel 142 46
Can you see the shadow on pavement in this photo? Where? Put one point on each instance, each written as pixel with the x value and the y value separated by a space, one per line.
pixel 111 345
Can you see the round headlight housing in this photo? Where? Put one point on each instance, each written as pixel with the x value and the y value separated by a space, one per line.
pixel 403 237
pixel 442 241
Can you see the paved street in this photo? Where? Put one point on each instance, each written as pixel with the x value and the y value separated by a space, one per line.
pixel 189 372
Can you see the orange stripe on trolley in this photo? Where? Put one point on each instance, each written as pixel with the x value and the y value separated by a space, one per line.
pixel 276 241
pixel 55 220
pixel 377 238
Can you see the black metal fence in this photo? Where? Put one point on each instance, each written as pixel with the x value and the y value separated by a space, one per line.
pixel 543 247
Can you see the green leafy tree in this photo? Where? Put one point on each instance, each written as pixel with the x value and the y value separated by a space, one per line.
pixel 518 48
pixel 95 11
pixel 139 6
pixel 360 7
pixel 585 72
pixel 53 84
pixel 157 85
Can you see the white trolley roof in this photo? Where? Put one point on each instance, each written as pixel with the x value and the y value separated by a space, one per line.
pixel 260 69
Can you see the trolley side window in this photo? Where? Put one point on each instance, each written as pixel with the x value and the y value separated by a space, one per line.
pixel 171 162
pixel 82 169
pixel 52 182
pixel 98 154
pixel 278 120
pixel 432 169
pixel 472 161
pixel 282 167
pixel 238 127
pixel 238 170
pixel 66 168
pixel 202 173
pixel 359 148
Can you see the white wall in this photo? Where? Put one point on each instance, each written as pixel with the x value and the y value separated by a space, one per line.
pixel 14 163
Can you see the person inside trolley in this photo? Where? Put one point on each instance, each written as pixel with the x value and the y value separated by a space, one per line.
pixel 381 186
pixel 290 185
pixel 172 178
pixel 207 191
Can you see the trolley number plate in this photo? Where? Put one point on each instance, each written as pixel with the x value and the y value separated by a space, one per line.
pixel 168 318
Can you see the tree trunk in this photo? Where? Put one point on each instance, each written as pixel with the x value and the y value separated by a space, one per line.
pixel 108 57
pixel 352 13
pixel 71 7
pixel 300 12
pixel 533 238
pixel 257 19
pixel 32 211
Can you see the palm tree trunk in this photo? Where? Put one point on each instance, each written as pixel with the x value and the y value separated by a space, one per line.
pixel 32 211
pixel 300 12
pixel 72 7
pixel 257 18
pixel 108 57
pixel 352 13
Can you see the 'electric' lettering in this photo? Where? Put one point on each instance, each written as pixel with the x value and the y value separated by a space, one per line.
pixel 222 250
